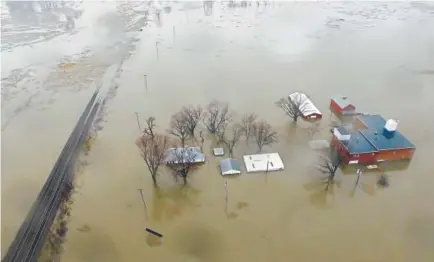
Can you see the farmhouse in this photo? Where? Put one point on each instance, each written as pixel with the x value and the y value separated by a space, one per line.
pixel 371 139
pixel 307 107
pixel 342 106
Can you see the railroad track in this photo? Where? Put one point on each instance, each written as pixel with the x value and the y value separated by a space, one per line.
pixel 31 236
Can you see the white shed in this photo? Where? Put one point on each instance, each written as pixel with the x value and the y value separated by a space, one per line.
pixel 263 162
pixel 307 107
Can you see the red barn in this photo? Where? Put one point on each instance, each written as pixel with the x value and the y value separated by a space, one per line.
pixel 342 106
pixel 371 139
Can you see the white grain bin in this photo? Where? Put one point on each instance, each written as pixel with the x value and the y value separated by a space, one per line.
pixel 391 125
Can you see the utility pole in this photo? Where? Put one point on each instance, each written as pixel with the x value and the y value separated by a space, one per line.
pixel 144 203
pixel 359 173
pixel 146 81
pixel 138 122
pixel 226 196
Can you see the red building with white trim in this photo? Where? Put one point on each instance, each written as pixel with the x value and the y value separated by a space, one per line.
pixel 342 106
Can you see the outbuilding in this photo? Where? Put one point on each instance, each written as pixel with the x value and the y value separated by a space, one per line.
pixel 230 166
pixel 341 105
pixel 308 110
pixel 263 162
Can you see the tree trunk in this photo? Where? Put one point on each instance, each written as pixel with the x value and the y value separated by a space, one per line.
pixel 154 179
pixel 184 178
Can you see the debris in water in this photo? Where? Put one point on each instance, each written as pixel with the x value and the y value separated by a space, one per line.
pixel 84 228
pixel 242 205
pixel 232 215
pixel 383 181
pixel 154 232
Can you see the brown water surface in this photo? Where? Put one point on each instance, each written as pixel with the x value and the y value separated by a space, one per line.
pixel 250 58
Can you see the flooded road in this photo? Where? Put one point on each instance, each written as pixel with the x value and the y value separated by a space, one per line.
pixel 378 54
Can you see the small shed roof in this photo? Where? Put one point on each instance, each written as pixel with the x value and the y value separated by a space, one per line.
pixel 307 106
pixel 342 101
pixel 218 151
pixel 184 155
pixel 230 166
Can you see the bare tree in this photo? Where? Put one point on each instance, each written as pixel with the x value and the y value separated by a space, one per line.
pixel 179 127
pixel 217 117
pixel 150 126
pixel 247 124
pixel 292 107
pixel 153 149
pixel 182 162
pixel 231 141
pixel 264 134
pixel 221 132
pixel 192 116
pixel 328 165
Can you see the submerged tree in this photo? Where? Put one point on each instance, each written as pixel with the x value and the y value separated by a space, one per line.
pixel 232 140
pixel 179 127
pixel 182 162
pixel 292 107
pixel 264 134
pixel 153 149
pixel 247 124
pixel 217 117
pixel 192 116
pixel 150 126
pixel 328 165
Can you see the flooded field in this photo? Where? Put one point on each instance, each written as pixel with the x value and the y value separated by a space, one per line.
pixel 381 55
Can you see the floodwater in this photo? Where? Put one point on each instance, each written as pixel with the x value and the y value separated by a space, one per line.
pixel 381 55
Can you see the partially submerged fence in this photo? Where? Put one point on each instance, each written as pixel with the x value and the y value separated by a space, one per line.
pixel 30 239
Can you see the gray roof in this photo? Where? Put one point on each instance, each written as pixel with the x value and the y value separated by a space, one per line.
pixel 219 151
pixel 188 154
pixel 342 101
pixel 229 164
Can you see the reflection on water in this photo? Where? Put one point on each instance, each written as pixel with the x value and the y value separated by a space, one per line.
pixel 236 56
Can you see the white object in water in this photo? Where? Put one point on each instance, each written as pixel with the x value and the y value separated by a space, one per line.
pixel 218 151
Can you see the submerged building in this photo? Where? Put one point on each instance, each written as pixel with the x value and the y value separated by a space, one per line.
pixel 371 139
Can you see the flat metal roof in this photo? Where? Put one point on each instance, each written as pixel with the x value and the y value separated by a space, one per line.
pixel 375 137
pixel 381 138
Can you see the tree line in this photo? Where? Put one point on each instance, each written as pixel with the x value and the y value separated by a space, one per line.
pixel 216 119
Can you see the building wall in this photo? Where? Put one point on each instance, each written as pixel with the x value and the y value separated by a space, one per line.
pixel 395 154
pixel 313 116
pixel 368 158
pixel 335 107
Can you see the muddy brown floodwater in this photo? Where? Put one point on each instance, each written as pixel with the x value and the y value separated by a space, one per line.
pixel 373 53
